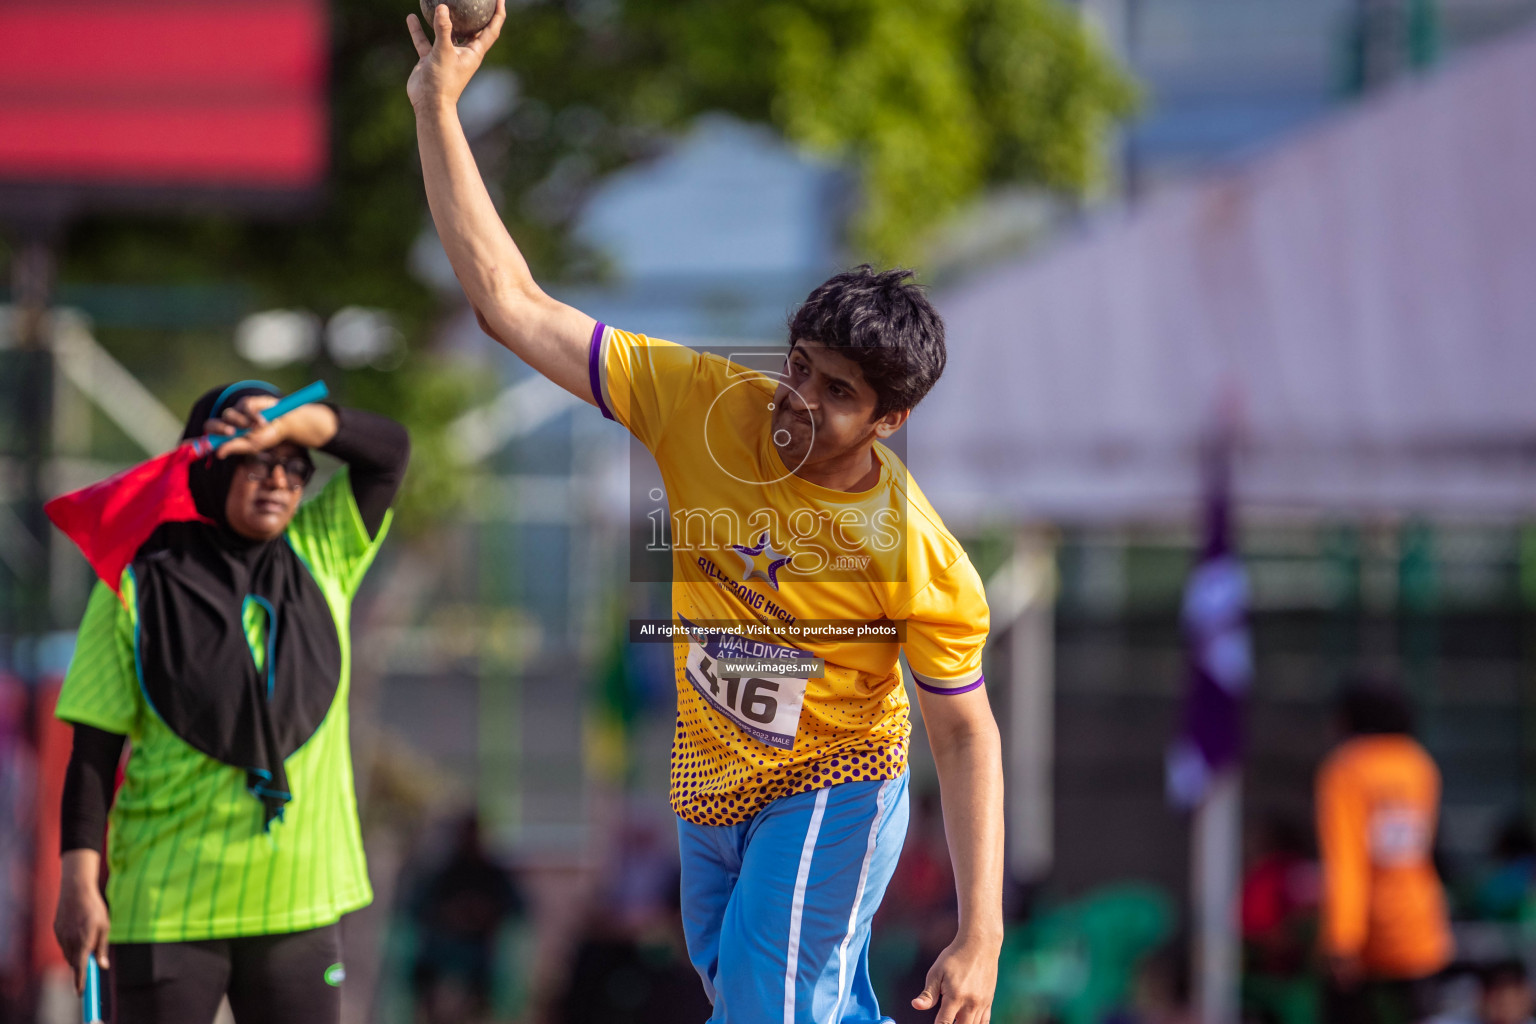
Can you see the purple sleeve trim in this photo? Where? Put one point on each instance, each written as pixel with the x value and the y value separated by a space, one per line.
pixel 981 681
pixel 594 372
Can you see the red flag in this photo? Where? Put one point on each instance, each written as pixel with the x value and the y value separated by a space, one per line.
pixel 110 520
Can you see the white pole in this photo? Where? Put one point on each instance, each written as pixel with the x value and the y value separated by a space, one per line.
pixel 1215 880
pixel 1022 598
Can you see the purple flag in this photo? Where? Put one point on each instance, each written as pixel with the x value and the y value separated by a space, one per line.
pixel 1215 621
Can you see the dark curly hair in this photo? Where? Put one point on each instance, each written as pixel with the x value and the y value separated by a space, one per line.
pixel 881 320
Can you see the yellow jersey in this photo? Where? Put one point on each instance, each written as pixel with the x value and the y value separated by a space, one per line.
pixel 791 602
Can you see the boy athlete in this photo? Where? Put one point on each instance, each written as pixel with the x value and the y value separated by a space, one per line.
pixel 790 785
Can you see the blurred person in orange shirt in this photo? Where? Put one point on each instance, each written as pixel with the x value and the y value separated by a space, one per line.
pixel 1384 928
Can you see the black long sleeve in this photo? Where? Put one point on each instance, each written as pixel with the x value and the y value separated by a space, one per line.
pixel 88 788
pixel 376 450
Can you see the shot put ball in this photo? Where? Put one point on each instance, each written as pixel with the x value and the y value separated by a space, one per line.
pixel 469 16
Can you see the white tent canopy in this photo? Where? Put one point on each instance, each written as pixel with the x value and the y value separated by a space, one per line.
pixel 1364 297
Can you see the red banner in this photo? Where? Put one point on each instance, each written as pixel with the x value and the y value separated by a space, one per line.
pixel 154 92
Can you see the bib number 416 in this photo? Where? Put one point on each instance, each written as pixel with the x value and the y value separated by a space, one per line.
pixel 756 703
pixel 768 710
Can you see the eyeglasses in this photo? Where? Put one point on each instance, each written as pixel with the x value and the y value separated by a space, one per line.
pixel 296 468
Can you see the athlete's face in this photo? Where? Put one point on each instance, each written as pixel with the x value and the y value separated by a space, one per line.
pixel 264 494
pixel 824 409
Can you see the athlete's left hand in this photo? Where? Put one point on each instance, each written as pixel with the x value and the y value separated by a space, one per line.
pixel 962 982
pixel 311 426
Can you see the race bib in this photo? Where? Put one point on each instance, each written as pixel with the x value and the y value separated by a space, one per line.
pixel 764 706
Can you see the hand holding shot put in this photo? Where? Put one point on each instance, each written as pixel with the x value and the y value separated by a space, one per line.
pixel 446 65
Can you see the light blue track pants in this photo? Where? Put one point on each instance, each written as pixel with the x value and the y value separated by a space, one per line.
pixel 777 909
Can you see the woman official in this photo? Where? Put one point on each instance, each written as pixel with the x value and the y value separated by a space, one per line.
pixel 234 845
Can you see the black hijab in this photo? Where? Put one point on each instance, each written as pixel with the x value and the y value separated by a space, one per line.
pixel 194 585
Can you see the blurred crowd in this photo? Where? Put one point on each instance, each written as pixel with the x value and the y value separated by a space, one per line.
pixel 1350 918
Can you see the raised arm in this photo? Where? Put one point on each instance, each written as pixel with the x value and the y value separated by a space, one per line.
pixel 548 335
pixel 375 448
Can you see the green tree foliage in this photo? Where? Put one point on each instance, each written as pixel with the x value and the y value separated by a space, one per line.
pixel 929 101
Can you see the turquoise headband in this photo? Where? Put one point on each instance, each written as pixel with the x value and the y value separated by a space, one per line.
pixel 243 385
